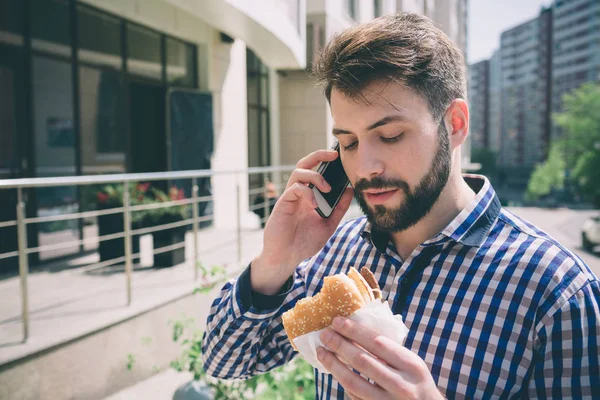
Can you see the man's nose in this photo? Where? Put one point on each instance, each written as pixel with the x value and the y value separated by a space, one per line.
pixel 369 162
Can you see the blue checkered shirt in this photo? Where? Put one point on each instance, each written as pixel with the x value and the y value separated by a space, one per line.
pixel 496 307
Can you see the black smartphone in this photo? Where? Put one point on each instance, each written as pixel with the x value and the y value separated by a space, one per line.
pixel 334 174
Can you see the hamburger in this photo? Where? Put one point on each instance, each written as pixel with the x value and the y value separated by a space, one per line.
pixel 341 295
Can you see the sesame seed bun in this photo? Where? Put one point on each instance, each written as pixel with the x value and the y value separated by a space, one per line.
pixel 341 295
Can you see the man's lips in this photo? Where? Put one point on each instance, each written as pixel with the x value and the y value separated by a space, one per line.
pixel 379 196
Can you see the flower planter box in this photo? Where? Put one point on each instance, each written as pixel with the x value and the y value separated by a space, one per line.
pixel 109 249
pixel 169 237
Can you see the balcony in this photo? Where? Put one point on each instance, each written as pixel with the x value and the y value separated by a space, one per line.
pixel 273 29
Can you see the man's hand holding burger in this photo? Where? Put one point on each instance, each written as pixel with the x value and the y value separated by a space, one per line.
pixel 397 372
pixel 295 231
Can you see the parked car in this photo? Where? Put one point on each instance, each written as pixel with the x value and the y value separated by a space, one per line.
pixel 590 233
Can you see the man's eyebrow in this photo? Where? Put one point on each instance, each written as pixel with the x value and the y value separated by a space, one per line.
pixel 386 120
pixel 381 122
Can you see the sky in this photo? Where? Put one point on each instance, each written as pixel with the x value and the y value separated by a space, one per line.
pixel 489 18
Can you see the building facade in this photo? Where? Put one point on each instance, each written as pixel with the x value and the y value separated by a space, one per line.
pixel 575 48
pixel 479 75
pixel 105 86
pixel 538 62
pixel 494 102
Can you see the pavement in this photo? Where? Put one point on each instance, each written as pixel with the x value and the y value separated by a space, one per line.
pixel 74 300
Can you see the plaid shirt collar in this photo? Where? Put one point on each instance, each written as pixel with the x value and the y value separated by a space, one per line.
pixel 469 227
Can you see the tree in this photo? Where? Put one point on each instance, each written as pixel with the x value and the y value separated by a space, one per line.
pixel 487 159
pixel 547 176
pixel 578 148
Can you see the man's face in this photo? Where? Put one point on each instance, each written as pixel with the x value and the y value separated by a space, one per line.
pixel 394 153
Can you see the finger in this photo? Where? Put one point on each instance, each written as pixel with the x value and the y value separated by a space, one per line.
pixel 306 176
pixel 350 381
pixel 313 159
pixel 299 193
pixel 366 364
pixel 392 353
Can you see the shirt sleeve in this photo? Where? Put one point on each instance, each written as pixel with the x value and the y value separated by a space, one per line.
pixel 244 333
pixel 567 363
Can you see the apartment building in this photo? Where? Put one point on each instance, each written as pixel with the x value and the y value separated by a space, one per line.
pixel 479 75
pixel 525 80
pixel 575 47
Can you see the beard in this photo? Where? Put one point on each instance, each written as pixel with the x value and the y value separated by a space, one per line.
pixel 417 202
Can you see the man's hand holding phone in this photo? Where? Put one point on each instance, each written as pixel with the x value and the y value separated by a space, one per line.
pixel 295 231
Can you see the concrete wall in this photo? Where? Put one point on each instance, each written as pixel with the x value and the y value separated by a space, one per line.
pixel 303 116
pixel 78 370
pixel 228 85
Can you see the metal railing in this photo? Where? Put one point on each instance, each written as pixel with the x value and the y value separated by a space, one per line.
pixel 22 221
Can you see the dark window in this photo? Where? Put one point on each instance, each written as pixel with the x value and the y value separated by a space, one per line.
pixel 11 22
pixel 143 52
pixel 102 120
pixel 259 138
pixel 8 123
pixel 181 63
pixel 99 38
pixel 50 27
pixel 54 133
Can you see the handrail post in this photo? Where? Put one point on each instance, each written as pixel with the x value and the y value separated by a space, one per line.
pixel 23 262
pixel 195 216
pixel 127 229
pixel 267 201
pixel 238 223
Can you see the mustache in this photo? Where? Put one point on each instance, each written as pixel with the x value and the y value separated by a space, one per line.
pixel 380 183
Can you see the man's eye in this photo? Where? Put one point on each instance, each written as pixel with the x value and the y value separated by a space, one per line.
pixel 350 146
pixel 391 139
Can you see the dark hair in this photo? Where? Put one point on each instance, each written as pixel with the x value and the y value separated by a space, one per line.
pixel 404 48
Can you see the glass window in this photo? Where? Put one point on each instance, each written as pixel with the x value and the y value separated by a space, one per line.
pixel 143 52
pixel 99 38
pixel 55 149
pixel 8 123
pixel 102 105
pixel 11 22
pixel 50 28
pixel 181 69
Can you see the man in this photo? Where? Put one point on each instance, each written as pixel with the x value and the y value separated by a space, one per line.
pixel 495 307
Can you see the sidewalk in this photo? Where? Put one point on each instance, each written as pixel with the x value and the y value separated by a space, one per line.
pixel 161 386
pixel 70 302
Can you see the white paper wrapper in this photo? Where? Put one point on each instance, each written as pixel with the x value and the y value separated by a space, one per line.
pixel 376 315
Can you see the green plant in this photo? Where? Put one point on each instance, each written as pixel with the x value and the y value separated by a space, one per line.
pixel 130 361
pixel 111 196
pixel 162 215
pixel 294 381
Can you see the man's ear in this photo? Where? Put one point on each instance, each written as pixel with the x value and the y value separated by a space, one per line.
pixel 457 122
